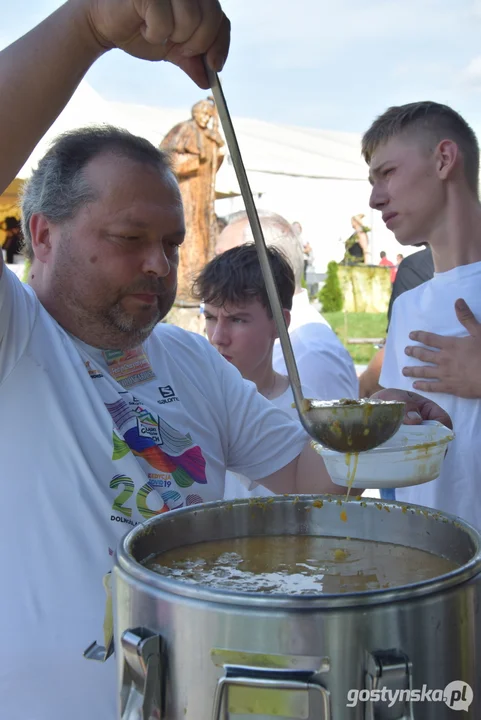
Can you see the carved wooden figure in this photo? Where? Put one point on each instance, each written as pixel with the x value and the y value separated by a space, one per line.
pixel 196 149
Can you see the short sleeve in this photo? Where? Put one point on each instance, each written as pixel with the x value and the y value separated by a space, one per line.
pixel 18 311
pixel 261 438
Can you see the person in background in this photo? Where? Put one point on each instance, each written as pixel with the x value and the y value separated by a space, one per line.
pixel 357 245
pixel 220 224
pixel 306 247
pixel 239 324
pixel 399 259
pixel 308 257
pixel 297 227
pixel 384 262
pixel 13 238
pixel 324 364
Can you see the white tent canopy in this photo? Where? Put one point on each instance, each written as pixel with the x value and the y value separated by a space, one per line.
pixel 316 177
pixel 86 107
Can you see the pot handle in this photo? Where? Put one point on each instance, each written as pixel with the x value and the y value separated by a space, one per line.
pixel 261 691
pixel 389 670
pixel 142 676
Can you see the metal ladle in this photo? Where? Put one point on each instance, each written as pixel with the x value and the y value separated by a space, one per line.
pixel 345 426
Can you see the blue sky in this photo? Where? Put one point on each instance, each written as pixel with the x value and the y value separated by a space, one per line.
pixel 316 63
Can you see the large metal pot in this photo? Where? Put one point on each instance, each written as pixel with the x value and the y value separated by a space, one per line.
pixel 187 652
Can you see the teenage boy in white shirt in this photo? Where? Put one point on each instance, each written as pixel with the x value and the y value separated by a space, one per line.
pixel 424 164
pixel 323 362
pixel 240 325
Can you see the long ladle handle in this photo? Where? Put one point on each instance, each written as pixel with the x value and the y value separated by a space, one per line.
pixel 260 243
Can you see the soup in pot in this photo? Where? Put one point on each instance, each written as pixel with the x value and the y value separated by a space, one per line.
pixel 299 565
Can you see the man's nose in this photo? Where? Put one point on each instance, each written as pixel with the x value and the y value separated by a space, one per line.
pixel 378 198
pixel 220 335
pixel 156 261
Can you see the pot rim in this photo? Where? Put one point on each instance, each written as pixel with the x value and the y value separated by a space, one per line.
pixel 126 562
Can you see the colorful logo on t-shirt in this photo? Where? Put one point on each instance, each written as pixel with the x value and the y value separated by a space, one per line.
pixel 157 442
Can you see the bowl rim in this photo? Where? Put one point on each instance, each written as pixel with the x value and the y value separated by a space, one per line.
pixel 384 449
pixel 346 403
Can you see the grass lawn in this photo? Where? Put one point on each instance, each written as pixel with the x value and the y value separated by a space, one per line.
pixel 358 325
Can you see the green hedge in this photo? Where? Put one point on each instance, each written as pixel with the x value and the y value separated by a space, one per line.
pixel 330 295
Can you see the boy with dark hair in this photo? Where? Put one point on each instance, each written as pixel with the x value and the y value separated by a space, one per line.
pixel 322 361
pixel 239 324
pixel 236 277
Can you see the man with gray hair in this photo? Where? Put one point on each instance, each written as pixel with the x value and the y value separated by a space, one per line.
pixel 122 417
pixel 324 364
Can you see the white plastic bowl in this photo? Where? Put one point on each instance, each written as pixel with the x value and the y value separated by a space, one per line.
pixel 413 456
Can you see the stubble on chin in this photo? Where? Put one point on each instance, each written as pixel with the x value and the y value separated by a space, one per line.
pixel 121 324
pixel 129 330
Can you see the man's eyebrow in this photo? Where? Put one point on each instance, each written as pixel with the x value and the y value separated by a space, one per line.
pixel 178 234
pixel 240 314
pixel 134 222
pixel 373 171
pixel 143 225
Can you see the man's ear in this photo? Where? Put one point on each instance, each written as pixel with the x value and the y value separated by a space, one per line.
pixel 287 318
pixel 447 158
pixel 40 232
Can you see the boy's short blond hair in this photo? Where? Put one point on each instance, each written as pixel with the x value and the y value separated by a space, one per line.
pixel 436 122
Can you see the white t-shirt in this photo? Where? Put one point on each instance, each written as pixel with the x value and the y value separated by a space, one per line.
pixel 240 486
pixel 430 307
pixel 323 362
pixel 83 459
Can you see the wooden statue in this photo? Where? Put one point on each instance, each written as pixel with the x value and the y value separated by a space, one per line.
pixel 196 149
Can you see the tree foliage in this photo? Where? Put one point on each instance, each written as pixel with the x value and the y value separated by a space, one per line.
pixel 330 295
